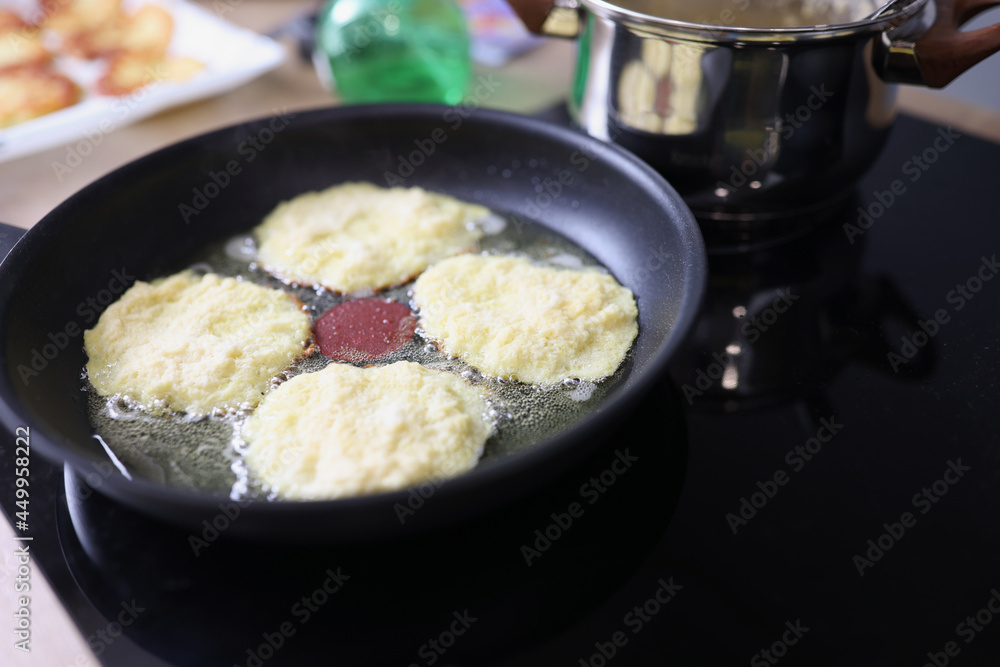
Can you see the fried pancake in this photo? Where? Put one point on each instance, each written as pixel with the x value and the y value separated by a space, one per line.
pixel 511 319
pixel 128 72
pixel 30 92
pixel 346 431
pixel 22 47
pixel 69 17
pixel 146 33
pixel 195 343
pixel 358 237
pixel 11 20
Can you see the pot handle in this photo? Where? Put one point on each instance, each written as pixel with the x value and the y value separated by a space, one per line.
pixel 558 18
pixel 943 52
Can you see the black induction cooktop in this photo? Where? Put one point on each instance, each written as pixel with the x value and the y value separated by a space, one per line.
pixel 816 483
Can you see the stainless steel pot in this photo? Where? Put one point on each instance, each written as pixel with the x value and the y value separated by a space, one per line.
pixel 754 123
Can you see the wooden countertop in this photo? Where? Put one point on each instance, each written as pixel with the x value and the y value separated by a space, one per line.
pixel 30 187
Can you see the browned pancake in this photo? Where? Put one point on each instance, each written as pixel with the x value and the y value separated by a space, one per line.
pixel 147 32
pixel 11 20
pixel 127 72
pixel 69 17
pixel 30 92
pixel 21 46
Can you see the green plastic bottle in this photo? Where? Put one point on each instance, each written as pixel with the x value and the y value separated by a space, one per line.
pixel 395 50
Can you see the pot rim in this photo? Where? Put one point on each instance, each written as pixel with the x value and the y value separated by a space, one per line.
pixel 704 32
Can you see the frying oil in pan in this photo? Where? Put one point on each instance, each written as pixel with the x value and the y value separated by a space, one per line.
pixel 207 453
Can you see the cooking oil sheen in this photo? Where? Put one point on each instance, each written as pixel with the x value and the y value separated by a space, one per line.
pixel 207 453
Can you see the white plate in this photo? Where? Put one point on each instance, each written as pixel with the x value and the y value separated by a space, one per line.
pixel 231 55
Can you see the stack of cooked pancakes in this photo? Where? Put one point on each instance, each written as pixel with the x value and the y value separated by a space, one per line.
pixel 132 44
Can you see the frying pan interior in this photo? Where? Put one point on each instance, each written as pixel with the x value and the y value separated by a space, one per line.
pixel 151 216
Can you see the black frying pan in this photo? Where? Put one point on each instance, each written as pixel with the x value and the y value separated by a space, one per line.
pixel 149 217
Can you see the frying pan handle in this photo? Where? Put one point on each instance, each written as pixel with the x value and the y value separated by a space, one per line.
pixel 11 230
pixel 558 18
pixel 9 235
pixel 943 52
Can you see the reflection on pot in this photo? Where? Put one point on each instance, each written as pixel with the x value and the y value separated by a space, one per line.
pixel 742 131
pixel 760 13
pixel 781 321
pixel 658 92
pixel 756 111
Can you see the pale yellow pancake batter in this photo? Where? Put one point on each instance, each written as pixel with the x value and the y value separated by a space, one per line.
pixel 358 237
pixel 195 343
pixel 512 319
pixel 346 431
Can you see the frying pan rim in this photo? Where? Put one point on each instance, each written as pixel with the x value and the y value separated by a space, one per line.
pixel 691 251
